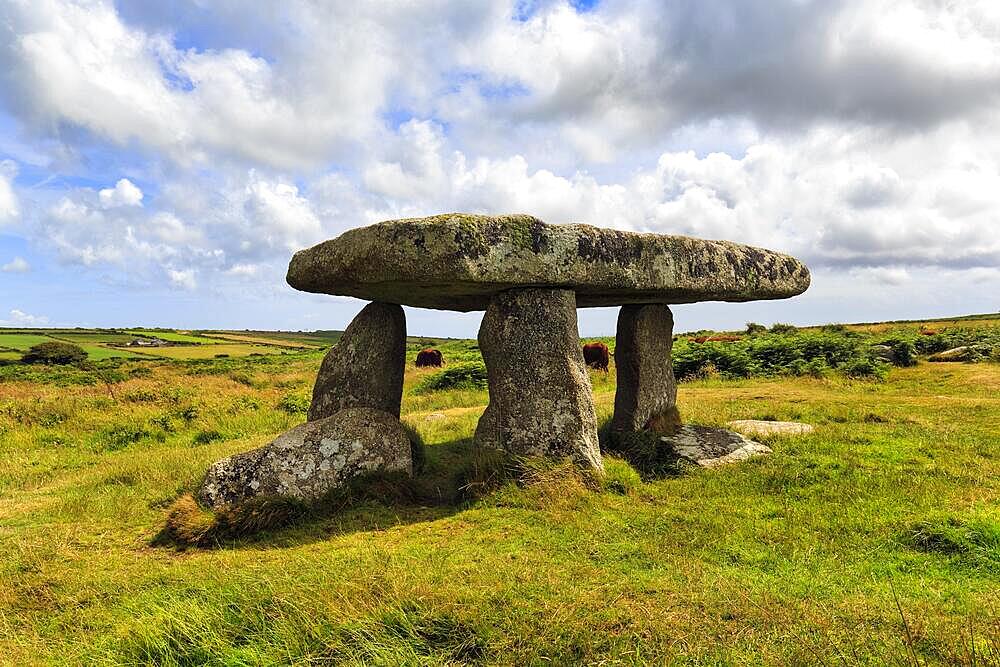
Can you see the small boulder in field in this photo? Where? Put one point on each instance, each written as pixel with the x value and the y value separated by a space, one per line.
pixel 711 447
pixel 311 459
pixel 962 353
pixel 429 357
pixel 883 352
pixel 764 427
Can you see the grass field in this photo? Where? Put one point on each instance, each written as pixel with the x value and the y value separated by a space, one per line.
pixel 260 339
pixel 22 341
pixel 874 540
pixel 175 337
pixel 208 351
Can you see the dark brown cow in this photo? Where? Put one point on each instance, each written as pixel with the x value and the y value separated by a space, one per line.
pixel 596 356
pixel 429 357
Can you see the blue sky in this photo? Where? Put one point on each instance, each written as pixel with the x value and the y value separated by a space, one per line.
pixel 160 162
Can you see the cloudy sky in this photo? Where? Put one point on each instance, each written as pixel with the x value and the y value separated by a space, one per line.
pixel 160 162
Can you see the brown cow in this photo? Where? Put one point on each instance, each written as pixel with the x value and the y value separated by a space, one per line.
pixel 429 357
pixel 596 356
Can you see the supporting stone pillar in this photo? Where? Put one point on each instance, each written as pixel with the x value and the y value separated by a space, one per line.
pixel 541 401
pixel 365 368
pixel 646 394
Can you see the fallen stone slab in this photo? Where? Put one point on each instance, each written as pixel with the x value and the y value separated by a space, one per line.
pixel 311 459
pixel 711 447
pixel 460 261
pixel 765 427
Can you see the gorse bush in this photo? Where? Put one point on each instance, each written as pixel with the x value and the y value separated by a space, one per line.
pixel 467 375
pixel 801 353
pixel 866 368
pixel 54 353
pixel 294 404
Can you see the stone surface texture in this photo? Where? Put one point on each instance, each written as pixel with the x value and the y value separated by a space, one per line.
pixel 646 392
pixel 711 447
pixel 311 459
pixel 365 368
pixel 459 261
pixel 763 427
pixel 541 401
pixel 961 353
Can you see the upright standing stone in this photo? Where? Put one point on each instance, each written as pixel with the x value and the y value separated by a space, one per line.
pixel 365 368
pixel 541 401
pixel 646 394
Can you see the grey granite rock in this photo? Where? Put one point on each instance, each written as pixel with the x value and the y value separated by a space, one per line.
pixel 365 367
pixel 646 392
pixel 961 353
pixel 541 401
pixel 764 427
pixel 311 459
pixel 459 261
pixel 710 447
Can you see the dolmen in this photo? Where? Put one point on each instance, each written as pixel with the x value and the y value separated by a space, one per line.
pixel 529 277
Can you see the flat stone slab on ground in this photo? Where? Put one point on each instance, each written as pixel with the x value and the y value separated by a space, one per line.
pixel 765 427
pixel 711 447
pixel 458 261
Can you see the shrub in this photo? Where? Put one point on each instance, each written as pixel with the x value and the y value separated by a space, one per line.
pixel 779 328
pixel 929 344
pixel 207 437
pixel 466 375
pixel 54 353
pixel 865 368
pixel 123 435
pixel 753 329
pixel 904 352
pixel 817 368
pixel 294 404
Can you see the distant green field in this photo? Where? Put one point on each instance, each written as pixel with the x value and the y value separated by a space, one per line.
pixel 208 351
pixel 99 352
pixel 261 339
pixel 22 341
pixel 81 337
pixel 175 337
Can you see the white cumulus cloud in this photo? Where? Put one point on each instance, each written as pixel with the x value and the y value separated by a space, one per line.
pixel 19 318
pixel 16 265
pixel 125 193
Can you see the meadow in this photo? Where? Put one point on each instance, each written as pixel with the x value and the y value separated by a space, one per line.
pixel 874 540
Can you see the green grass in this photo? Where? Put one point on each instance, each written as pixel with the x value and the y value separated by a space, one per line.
pixel 100 352
pixel 873 540
pixel 175 337
pixel 22 341
pixel 208 351
pixel 95 336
